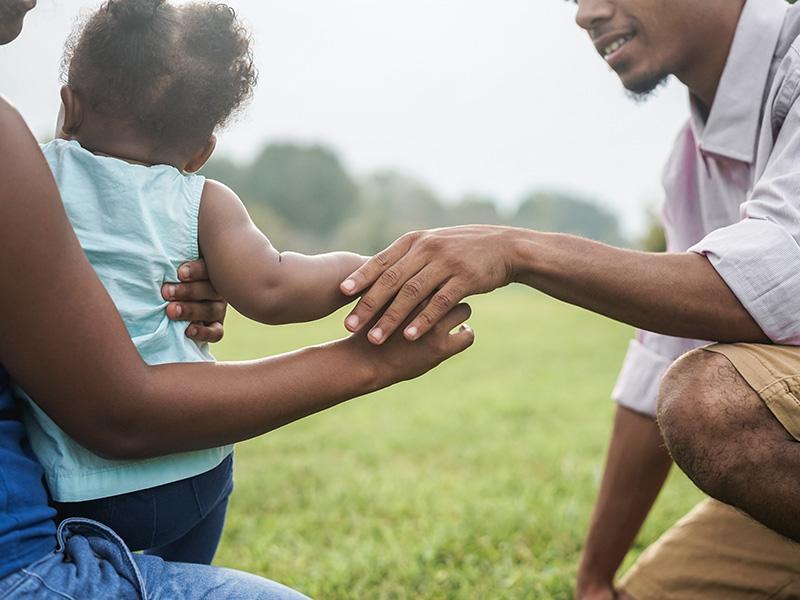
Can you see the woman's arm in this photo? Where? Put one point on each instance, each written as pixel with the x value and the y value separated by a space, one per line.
pixel 63 341
pixel 257 280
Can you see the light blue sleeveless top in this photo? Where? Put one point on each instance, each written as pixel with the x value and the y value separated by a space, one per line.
pixel 136 224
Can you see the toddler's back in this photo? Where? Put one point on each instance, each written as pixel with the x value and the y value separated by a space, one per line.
pixel 136 224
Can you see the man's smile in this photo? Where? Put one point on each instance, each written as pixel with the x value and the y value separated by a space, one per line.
pixel 610 45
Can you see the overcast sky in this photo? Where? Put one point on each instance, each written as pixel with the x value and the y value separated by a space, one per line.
pixel 467 95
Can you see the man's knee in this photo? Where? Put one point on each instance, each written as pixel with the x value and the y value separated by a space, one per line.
pixel 703 401
pixel 684 399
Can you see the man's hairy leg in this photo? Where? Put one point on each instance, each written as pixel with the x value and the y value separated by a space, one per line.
pixel 727 441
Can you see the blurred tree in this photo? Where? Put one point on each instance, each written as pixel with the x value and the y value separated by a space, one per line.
pixel 226 171
pixel 547 211
pixel 654 239
pixel 306 185
pixel 474 209
pixel 391 205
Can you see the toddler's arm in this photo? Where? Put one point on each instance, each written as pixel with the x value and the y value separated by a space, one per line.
pixel 256 279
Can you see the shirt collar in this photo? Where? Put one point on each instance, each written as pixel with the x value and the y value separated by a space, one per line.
pixel 732 124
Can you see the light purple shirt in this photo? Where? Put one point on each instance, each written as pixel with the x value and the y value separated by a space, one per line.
pixel 732 186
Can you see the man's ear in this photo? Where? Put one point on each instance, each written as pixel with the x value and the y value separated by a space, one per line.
pixel 201 157
pixel 70 117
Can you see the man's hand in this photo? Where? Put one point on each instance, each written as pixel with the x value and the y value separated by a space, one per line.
pixel 194 299
pixel 439 267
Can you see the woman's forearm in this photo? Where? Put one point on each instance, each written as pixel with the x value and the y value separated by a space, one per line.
pixel 183 407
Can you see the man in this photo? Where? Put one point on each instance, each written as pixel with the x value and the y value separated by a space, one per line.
pixel 730 414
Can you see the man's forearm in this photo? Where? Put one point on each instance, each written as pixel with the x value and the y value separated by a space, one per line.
pixel 636 467
pixel 675 294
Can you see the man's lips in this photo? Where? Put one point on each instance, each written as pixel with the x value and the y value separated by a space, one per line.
pixel 609 43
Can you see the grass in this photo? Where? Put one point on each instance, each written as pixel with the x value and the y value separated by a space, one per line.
pixel 476 481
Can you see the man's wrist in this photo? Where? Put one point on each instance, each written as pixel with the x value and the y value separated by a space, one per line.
pixel 520 254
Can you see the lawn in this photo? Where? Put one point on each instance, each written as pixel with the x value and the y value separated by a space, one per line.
pixel 476 481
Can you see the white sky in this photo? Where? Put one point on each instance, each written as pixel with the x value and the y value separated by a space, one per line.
pixel 468 95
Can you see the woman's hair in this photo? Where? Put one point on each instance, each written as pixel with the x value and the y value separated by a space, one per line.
pixel 174 72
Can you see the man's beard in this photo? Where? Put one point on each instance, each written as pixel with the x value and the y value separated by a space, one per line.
pixel 643 90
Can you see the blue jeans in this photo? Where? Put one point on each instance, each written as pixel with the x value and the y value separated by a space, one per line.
pixel 91 562
pixel 180 521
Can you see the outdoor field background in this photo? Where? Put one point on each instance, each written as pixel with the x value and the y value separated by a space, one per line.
pixel 476 481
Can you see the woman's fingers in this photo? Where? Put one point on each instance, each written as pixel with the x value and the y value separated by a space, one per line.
pixel 205 332
pixel 194 270
pixel 440 304
pixel 196 291
pixel 463 337
pixel 206 312
pixel 455 317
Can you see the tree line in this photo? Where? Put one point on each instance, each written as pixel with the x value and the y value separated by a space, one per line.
pixel 304 199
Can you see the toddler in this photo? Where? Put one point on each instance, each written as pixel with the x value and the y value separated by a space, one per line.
pixel 147 83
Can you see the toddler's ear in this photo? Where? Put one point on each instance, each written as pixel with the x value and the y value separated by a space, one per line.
pixel 201 157
pixel 70 117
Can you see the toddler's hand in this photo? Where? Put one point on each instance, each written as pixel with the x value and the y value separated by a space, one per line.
pixel 194 299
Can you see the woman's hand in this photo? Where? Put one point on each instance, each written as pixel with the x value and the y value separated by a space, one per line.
pixel 400 360
pixel 194 299
pixel 437 268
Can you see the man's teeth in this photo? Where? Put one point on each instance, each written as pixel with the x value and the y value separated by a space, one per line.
pixel 616 45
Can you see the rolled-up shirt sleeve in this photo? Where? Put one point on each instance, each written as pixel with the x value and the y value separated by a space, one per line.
pixel 648 358
pixel 759 257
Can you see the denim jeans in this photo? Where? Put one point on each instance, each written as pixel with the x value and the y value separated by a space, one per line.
pixel 91 562
pixel 180 521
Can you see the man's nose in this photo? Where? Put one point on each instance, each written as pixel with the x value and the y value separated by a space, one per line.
pixel 593 12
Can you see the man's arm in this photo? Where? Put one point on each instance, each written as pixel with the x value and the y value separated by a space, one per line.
pixel 63 341
pixel 636 468
pixel 680 295
pixel 257 280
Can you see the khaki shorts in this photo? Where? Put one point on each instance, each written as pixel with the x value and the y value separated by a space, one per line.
pixel 716 552
pixel 774 373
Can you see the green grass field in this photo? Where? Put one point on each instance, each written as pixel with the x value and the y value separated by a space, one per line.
pixel 476 481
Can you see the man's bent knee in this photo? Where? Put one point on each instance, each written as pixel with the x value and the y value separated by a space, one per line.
pixel 685 399
pixel 702 402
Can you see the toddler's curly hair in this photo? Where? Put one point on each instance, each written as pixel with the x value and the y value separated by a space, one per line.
pixel 175 72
